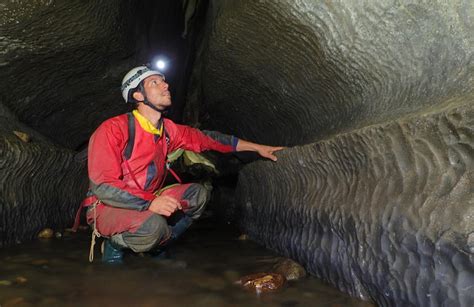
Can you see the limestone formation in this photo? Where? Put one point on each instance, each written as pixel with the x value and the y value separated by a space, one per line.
pixel 378 197
pixel 385 212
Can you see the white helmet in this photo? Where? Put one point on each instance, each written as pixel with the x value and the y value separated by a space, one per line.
pixel 133 78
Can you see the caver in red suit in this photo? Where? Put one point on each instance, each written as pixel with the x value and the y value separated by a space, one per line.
pixel 126 187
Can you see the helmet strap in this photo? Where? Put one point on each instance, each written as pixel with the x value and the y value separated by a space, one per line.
pixel 146 102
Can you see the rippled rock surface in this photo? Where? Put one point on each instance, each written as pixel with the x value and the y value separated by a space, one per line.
pixel 293 72
pixel 378 197
pixel 41 183
pixel 385 212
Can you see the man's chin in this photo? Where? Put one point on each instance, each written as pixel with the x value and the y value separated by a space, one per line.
pixel 165 106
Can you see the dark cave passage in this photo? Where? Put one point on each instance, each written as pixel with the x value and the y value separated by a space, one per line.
pixel 374 101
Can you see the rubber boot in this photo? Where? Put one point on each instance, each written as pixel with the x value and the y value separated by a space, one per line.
pixel 111 254
pixel 179 227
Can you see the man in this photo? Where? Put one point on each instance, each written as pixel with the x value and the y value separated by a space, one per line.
pixel 127 167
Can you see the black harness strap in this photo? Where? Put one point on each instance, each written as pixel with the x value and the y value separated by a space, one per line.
pixel 131 136
pixel 131 140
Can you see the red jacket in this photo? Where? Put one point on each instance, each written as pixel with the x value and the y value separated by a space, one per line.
pixel 109 177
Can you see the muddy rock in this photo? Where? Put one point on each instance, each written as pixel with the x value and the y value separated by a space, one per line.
pixel 21 280
pixel 290 269
pixel 22 136
pixel 262 282
pixel 5 283
pixel 243 237
pixel 46 233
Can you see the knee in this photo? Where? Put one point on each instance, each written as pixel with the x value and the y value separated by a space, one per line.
pixel 197 196
pixel 157 227
pixel 151 233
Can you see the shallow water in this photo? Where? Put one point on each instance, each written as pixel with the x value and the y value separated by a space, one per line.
pixel 203 269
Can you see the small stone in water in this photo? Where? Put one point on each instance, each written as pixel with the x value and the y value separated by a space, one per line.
pixel 290 269
pixel 46 233
pixel 5 283
pixel 21 280
pixel 243 237
pixel 262 282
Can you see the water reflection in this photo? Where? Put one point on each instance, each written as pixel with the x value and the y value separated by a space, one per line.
pixel 202 272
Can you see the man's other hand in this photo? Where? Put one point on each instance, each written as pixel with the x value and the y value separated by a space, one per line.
pixel 267 151
pixel 164 205
pixel 263 150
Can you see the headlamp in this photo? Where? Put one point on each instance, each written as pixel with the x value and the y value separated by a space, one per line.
pixel 160 64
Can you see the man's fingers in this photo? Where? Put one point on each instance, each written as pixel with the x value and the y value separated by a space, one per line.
pixel 277 148
pixel 172 207
pixel 272 157
pixel 269 155
pixel 172 199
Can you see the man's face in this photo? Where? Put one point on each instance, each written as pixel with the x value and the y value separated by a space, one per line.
pixel 157 92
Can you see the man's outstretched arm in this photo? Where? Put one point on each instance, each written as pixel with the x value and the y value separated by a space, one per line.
pixel 196 140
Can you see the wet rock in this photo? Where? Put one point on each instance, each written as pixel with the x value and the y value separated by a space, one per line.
pixel 290 269
pixel 46 233
pixel 243 237
pixel 21 280
pixel 5 283
pixel 22 136
pixel 262 282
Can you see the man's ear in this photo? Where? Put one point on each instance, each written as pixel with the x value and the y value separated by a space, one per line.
pixel 138 96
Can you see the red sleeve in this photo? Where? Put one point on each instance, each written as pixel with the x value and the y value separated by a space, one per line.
pixel 196 140
pixel 105 172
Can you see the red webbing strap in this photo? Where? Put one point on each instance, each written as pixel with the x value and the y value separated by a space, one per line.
pixel 77 219
pixel 173 173
pixel 167 138
pixel 132 174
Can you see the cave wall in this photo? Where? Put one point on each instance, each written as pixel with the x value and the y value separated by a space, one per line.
pixel 41 183
pixel 64 61
pixel 321 68
pixel 384 212
pixel 377 198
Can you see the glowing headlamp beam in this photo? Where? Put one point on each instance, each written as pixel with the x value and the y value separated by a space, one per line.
pixel 160 64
